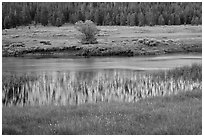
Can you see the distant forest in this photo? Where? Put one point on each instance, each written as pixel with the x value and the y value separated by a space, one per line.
pixel 102 13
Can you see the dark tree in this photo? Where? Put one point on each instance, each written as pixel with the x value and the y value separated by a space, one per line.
pixel 141 19
pixel 161 20
pixel 101 13
pixel 44 16
pixel 7 24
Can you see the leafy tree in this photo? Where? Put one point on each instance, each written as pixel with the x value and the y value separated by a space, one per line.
pixel 88 30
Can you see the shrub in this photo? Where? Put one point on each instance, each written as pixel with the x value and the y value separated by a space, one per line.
pixel 88 30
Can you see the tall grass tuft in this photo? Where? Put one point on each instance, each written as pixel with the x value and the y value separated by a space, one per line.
pixel 63 88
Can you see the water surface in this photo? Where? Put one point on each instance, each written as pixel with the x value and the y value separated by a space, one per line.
pixel 22 65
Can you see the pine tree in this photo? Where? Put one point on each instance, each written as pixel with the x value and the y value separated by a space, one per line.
pixel 26 18
pixel 122 19
pixel 12 19
pixel 107 19
pixel 128 19
pixel 141 19
pixel 133 19
pixel 177 20
pixel 98 17
pixel 161 20
pixel 171 19
pixel 37 16
pixel 117 19
pixel 7 21
pixel 150 18
pixel 120 13
pixel 58 22
pixel 195 20
pixel 44 16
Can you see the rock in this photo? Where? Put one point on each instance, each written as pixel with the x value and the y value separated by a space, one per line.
pixel 19 44
pixel 103 34
pixel 134 39
pixel 124 42
pixel 169 40
pixel 140 40
pixel 153 44
pixel 14 36
pixel 134 42
pixel 45 42
pixel 143 49
pixel 59 35
pixel 147 42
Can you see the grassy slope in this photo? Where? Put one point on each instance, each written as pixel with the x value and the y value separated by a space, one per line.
pixel 178 114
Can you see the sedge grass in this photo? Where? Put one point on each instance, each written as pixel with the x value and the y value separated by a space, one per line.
pixel 74 88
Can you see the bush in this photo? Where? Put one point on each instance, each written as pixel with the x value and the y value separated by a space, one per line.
pixel 88 30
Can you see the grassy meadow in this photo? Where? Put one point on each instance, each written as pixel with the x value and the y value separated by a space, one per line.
pixel 112 41
pixel 67 35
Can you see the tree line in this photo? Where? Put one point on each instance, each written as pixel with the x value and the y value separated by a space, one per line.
pixel 102 13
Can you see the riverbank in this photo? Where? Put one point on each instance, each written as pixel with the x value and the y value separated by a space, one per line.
pixel 112 41
pixel 179 114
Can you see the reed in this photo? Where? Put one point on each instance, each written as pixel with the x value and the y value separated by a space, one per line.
pixel 74 88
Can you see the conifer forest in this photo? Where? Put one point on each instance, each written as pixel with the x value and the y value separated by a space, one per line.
pixel 102 13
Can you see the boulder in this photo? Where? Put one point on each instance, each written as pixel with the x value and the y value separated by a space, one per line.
pixel 45 42
pixel 14 36
pixel 18 44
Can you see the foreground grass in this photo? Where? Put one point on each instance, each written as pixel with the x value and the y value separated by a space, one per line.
pixel 176 114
